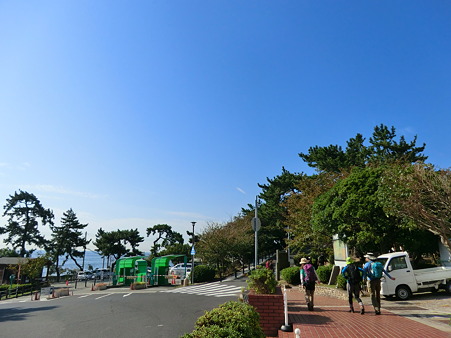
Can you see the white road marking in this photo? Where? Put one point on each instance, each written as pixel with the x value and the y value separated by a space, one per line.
pixel 109 294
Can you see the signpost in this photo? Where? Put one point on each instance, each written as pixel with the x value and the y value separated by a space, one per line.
pixel 256 225
pixel 193 253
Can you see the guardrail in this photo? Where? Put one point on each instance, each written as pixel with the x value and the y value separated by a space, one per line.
pixel 16 292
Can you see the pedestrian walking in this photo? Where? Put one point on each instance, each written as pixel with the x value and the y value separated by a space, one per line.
pixel 353 275
pixel 308 279
pixel 373 271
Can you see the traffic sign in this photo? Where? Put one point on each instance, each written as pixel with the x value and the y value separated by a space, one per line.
pixel 256 224
pixel 193 251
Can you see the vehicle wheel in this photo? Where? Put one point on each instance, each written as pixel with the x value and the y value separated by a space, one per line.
pixel 448 287
pixel 403 292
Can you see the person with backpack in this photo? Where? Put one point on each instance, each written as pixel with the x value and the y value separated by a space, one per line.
pixel 353 275
pixel 308 279
pixel 373 271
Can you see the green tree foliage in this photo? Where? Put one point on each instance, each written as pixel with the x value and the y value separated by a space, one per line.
pixel 352 209
pixel 421 195
pixel 227 245
pixel 216 246
pixel 383 148
pixel 305 239
pixel 175 249
pixel 33 267
pixel 68 239
pixel 25 212
pixel 133 238
pixel 7 252
pixel 113 243
pixel 272 212
pixel 166 235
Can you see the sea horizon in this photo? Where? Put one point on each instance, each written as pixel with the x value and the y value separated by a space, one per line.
pixel 92 260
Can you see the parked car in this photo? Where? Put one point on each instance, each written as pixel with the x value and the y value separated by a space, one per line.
pixel 84 275
pixel 179 269
pixel 408 280
pixel 102 273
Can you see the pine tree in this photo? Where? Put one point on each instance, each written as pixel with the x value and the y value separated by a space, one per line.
pixel 24 212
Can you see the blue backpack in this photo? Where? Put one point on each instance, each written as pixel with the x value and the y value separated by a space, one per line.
pixel 376 270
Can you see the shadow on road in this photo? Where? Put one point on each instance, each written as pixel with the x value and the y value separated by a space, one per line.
pixel 16 314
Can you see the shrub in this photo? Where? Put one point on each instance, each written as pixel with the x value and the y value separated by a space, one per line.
pixel 324 272
pixel 231 319
pixel 262 281
pixel 213 331
pixel 291 275
pixel 341 282
pixel 203 273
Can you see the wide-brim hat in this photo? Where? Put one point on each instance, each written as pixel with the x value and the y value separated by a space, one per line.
pixel 370 256
pixel 304 260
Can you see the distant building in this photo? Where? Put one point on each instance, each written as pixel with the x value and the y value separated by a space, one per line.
pixel 6 263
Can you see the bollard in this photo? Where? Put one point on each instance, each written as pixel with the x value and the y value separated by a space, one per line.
pixel 287 327
pixel 297 332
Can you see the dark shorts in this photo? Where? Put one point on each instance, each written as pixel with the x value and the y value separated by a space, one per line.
pixel 310 286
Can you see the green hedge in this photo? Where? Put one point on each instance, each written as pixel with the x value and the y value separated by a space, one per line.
pixel 262 281
pixel 291 275
pixel 341 282
pixel 203 273
pixel 324 272
pixel 232 319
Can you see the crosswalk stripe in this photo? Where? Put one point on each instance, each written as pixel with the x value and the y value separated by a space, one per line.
pixel 216 289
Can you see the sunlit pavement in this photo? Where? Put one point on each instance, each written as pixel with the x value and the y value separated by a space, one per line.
pixel 420 318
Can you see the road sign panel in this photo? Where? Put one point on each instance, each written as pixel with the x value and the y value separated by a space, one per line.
pixel 256 223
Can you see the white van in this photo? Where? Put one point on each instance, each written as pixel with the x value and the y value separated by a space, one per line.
pixel 180 269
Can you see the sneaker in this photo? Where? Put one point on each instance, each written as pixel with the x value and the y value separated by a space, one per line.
pixel 378 312
pixel 351 310
pixel 362 311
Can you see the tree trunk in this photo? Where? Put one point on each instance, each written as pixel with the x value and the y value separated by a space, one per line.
pixel 75 261
pixel 446 242
pixel 57 267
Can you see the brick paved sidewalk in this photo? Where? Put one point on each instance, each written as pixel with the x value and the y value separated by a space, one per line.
pixel 332 319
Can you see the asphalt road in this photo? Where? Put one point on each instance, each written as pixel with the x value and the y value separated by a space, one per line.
pixel 154 312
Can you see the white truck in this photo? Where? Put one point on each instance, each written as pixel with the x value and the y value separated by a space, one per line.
pixel 408 280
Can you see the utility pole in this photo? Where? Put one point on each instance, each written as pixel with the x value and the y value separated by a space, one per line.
pixel 193 252
pixel 256 225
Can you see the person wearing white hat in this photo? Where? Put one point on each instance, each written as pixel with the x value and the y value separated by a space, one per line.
pixel 353 275
pixel 308 279
pixel 374 271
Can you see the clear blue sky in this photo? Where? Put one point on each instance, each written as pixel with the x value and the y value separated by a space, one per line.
pixel 146 112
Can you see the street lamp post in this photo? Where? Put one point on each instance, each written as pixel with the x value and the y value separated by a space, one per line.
pixel 193 252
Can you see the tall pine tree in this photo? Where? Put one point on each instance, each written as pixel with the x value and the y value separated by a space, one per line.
pixel 25 212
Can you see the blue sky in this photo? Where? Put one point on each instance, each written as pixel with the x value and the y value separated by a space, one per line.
pixel 146 112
